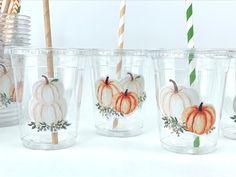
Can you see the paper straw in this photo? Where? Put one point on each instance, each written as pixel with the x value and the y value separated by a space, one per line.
pixel 48 36
pixel 190 37
pixel 0 5
pixel 7 4
pixel 121 34
pixel 191 60
pixel 16 4
pixel 19 7
pixel 120 46
pixel 48 39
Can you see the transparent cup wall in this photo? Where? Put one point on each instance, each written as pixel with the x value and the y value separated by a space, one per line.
pixel 189 115
pixel 229 108
pixel 14 31
pixel 49 106
pixel 118 96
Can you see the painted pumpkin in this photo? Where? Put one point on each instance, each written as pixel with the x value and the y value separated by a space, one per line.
pixel 48 113
pixel 105 90
pixel 199 119
pixel 6 81
pixel 19 90
pixel 47 90
pixel 125 102
pixel 134 83
pixel 47 103
pixel 174 99
pixel 234 104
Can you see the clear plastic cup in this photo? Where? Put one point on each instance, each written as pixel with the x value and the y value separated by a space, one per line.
pixel 118 96
pixel 49 105
pixel 190 114
pixel 14 31
pixel 229 109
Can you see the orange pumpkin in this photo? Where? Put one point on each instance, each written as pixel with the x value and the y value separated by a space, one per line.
pixel 125 102
pixel 105 90
pixel 199 119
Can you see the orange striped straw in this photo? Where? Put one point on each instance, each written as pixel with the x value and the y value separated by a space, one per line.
pixel 16 4
pixel 121 34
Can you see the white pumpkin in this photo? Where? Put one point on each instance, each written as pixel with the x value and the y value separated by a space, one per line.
pixel 134 83
pixel 48 113
pixel 174 99
pixel 234 104
pixel 47 103
pixel 105 90
pixel 6 81
pixel 47 90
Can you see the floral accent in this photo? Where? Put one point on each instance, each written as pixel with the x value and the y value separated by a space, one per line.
pixel 43 126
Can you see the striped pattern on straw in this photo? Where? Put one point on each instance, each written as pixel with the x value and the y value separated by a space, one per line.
pixel 190 37
pixel 0 5
pixel 121 34
pixel 15 7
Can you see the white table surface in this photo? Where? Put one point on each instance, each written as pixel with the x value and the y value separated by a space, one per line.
pixel 98 156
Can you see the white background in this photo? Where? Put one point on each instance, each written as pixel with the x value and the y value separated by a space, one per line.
pixel 149 25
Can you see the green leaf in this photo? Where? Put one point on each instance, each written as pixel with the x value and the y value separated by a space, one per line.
pixel 196 142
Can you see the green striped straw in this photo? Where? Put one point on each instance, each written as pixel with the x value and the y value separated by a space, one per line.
pixel 192 64
pixel 190 37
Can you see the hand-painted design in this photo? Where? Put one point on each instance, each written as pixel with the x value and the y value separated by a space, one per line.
pixel 6 86
pixel 54 127
pixel 199 119
pixel 233 118
pixel 47 105
pixel 125 102
pixel 134 83
pixel 119 99
pixel 108 112
pixel 174 99
pixel 234 104
pixel 105 90
pixel 195 119
pixel 4 100
pixel 173 124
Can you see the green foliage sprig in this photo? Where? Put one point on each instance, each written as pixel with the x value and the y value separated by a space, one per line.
pixel 43 126
pixel 173 124
pixel 4 100
pixel 108 112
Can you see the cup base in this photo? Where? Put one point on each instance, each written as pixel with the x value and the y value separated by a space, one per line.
pixel 229 132
pixel 118 133
pixel 31 143
pixel 183 148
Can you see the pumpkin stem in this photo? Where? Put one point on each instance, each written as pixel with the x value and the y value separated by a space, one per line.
pixel 46 79
pixel 200 107
pixel 4 68
pixel 131 76
pixel 126 92
pixel 106 81
pixel 176 90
